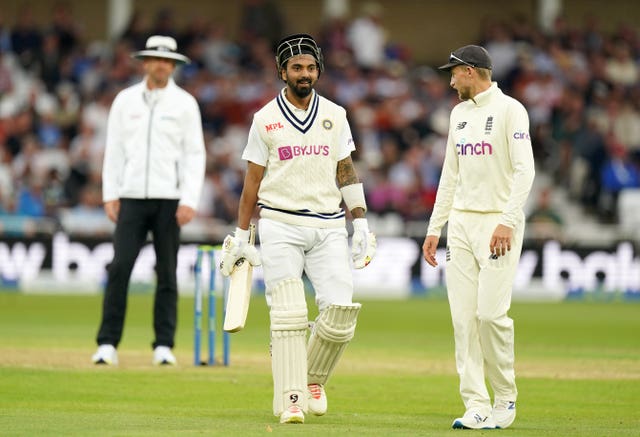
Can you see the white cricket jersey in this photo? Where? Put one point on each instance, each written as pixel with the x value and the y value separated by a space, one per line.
pixel 488 165
pixel 300 150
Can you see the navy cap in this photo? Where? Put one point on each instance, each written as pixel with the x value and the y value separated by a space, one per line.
pixel 472 56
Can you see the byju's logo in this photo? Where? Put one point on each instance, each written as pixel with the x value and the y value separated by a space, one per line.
pixel 285 153
pixel 461 125
pixel 482 148
pixel 289 152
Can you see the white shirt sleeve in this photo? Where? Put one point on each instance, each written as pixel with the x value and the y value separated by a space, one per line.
pixel 522 162
pixel 114 154
pixel 446 189
pixel 256 150
pixel 194 158
pixel 346 145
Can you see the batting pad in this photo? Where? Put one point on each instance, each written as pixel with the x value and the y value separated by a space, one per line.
pixel 289 321
pixel 333 330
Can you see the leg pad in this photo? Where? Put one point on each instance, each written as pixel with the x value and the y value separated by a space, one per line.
pixel 333 330
pixel 289 320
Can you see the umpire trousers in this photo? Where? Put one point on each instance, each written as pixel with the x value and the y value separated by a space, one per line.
pixel 136 218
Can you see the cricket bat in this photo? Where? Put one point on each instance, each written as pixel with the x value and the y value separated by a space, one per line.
pixel 239 293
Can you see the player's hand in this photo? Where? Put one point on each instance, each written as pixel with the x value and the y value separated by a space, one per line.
pixel 235 247
pixel 500 241
pixel 363 244
pixel 429 249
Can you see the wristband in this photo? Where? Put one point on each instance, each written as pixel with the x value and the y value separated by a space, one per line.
pixel 353 196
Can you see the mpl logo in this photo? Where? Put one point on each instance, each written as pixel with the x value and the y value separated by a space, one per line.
pixel 273 126
pixel 521 136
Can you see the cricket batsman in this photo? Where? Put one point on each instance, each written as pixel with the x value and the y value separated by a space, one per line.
pixel 486 177
pixel 299 172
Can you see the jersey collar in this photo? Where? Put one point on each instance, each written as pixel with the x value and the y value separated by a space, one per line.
pixel 484 97
pixel 289 111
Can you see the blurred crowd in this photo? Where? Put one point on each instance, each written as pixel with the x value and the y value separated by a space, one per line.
pixel 580 85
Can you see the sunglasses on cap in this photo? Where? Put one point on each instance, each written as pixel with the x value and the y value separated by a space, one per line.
pixel 454 58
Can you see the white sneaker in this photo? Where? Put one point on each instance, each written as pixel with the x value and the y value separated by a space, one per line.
pixel 504 413
pixel 317 402
pixel 473 420
pixel 293 414
pixel 106 354
pixel 162 355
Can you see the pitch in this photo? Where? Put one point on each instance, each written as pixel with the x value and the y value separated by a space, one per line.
pixel 578 368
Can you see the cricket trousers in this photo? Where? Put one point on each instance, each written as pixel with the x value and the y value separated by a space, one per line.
pixel 479 291
pixel 136 218
pixel 322 253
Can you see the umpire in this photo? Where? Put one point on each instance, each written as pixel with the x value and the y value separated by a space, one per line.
pixel 153 173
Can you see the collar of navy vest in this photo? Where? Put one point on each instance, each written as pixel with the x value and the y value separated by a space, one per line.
pixel 301 125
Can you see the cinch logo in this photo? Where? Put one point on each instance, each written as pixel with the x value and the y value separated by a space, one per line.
pixel 521 136
pixel 482 148
pixel 289 152
pixel 273 126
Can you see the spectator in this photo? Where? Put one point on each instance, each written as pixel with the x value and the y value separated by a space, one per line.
pixel 26 38
pixel 617 173
pixel 621 68
pixel 30 199
pixel 261 20
pixel 544 222
pixel 368 38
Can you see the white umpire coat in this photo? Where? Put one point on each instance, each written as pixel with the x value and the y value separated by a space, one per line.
pixel 155 146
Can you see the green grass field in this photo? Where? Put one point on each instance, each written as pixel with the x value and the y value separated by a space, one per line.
pixel 578 368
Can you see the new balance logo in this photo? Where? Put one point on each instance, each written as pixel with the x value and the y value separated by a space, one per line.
pixel 479 418
pixel 461 125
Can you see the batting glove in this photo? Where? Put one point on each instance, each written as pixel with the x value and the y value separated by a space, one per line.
pixel 363 244
pixel 236 247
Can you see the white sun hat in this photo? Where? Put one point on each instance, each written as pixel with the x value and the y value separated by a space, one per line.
pixel 159 46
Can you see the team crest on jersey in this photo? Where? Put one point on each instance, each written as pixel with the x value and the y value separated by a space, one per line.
pixel 488 125
pixel 327 124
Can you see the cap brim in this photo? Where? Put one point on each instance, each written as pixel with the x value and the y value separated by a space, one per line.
pixel 181 59
pixel 449 66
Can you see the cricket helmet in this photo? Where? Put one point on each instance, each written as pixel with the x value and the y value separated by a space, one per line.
pixel 298 44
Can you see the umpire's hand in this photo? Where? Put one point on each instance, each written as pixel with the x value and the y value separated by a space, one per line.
pixel 184 214
pixel 112 209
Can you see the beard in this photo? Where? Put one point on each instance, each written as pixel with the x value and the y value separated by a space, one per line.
pixel 464 93
pixel 301 88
